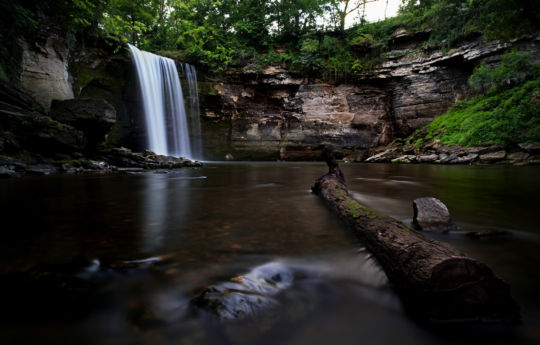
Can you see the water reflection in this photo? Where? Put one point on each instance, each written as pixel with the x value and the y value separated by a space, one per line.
pixel 156 211
pixel 224 220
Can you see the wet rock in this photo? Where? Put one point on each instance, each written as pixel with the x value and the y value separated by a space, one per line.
pixel 445 158
pixel 6 172
pixel 125 158
pixel 532 148
pixel 97 165
pixel 464 159
pixel 428 158
pixel 430 214
pixel 246 295
pixel 480 149
pixel 384 156
pixel 404 159
pixel 493 157
pixel 95 117
pixel 518 157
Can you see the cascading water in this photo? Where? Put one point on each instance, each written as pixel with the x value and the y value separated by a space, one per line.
pixel 163 104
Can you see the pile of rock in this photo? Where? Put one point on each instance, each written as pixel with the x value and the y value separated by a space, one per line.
pixel 125 158
pixel 526 153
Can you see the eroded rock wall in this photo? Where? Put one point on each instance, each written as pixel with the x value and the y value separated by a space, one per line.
pixel 44 67
pixel 281 114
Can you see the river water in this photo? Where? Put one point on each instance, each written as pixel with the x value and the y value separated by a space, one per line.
pixel 211 225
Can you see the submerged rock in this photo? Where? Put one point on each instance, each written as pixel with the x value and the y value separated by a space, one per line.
pixel 245 295
pixel 431 214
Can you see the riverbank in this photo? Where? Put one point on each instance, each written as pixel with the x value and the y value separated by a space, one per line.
pixel 523 154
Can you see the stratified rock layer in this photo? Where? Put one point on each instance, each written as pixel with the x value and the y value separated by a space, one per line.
pixel 283 114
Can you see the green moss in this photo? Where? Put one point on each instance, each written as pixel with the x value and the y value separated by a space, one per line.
pixel 354 209
pixel 84 77
pixel 507 114
pixel 503 118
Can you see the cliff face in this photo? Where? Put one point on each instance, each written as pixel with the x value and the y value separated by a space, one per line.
pixel 275 113
pixel 280 114
pixel 44 66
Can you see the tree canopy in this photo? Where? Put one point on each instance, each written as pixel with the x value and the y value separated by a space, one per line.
pixel 308 34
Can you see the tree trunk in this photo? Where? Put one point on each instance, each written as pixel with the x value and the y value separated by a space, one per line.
pixel 435 281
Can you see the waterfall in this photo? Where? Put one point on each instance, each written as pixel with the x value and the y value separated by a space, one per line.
pixel 163 105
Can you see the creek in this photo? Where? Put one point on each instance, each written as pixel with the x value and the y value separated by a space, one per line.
pixel 176 233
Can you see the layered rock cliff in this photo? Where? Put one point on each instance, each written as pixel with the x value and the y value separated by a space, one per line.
pixel 281 114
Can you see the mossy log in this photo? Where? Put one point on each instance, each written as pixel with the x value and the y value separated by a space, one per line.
pixel 435 281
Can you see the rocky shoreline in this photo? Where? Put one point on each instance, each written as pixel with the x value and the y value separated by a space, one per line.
pixel 523 154
pixel 109 161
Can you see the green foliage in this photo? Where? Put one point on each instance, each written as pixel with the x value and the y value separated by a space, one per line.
pixel 503 116
pixel 214 33
pixel 514 68
pixel 450 20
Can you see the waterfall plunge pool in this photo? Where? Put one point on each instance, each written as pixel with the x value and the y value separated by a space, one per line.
pixel 227 220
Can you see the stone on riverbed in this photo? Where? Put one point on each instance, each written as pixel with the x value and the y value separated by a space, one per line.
pixel 430 214
pixel 246 295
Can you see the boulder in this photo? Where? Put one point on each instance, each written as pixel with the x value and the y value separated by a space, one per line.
pixel 518 157
pixel 430 214
pixel 465 159
pixel 382 156
pixel 493 156
pixel 95 117
pixel 405 159
pixel 246 295
pixel 428 158
pixel 7 172
pixel 530 147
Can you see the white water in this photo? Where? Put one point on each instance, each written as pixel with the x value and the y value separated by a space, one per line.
pixel 163 104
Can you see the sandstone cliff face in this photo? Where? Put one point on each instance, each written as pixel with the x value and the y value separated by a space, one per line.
pixel 45 68
pixel 280 114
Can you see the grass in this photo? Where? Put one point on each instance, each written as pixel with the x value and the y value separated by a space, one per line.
pixel 502 117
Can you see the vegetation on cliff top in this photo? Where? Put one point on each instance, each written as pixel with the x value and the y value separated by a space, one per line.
pixel 506 114
pixel 308 35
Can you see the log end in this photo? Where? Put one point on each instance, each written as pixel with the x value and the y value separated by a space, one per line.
pixel 464 290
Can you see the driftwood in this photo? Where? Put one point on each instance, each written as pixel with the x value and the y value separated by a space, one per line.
pixel 435 281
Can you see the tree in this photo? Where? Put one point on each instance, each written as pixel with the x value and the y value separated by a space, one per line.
pixel 341 9
pixel 130 18
pixel 293 18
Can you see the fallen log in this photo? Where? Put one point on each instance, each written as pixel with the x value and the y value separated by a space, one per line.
pixel 436 283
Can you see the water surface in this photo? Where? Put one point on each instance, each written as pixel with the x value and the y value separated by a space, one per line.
pixel 218 222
